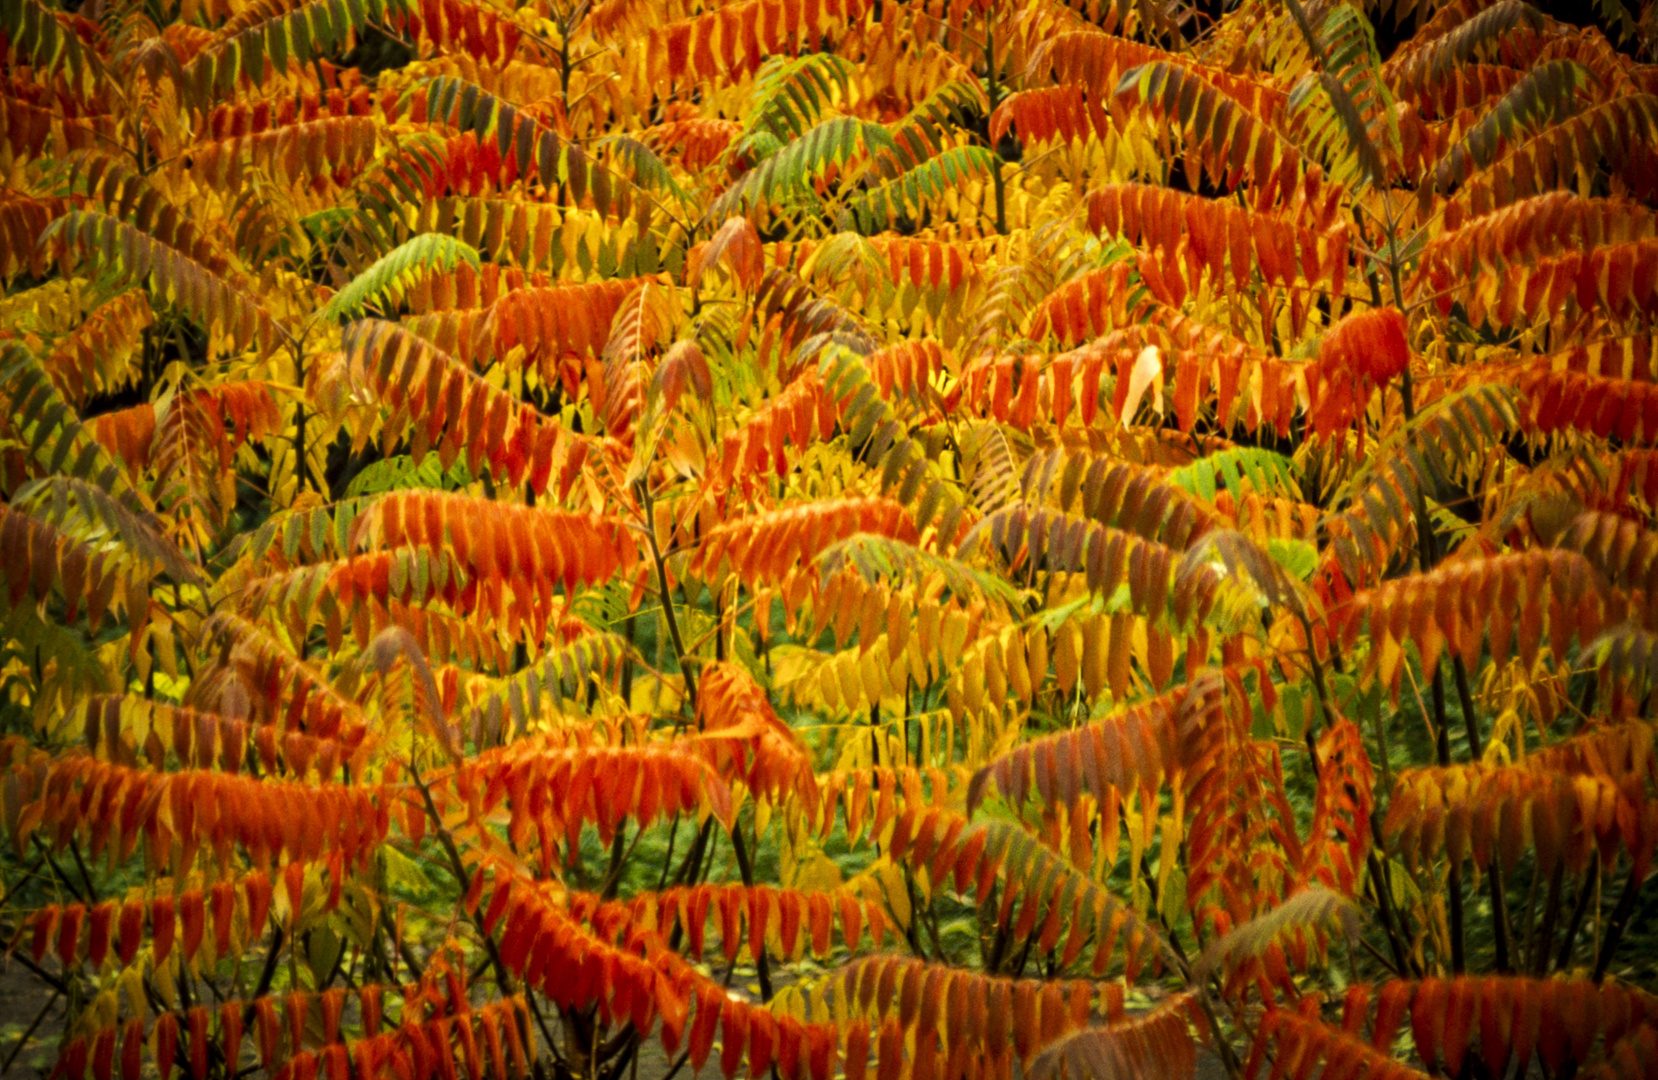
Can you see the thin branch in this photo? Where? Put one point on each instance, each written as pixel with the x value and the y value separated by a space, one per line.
pixel 28 1033
pixel 1619 923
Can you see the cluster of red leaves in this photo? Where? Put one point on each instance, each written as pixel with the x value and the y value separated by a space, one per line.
pixel 908 368
pixel 1206 361
pixel 438 1029
pixel 28 127
pixel 114 806
pixel 699 141
pixel 1619 279
pixel 1084 308
pixel 273 686
pixel 1339 837
pixel 1358 355
pixel 76 932
pixel 983 1016
pixel 255 117
pixel 1047 113
pixel 746 739
pixel 331 149
pixel 467 287
pixel 33 555
pixel 1509 601
pixel 526 548
pixel 802 414
pixel 23 220
pixel 1505 1018
pixel 375 578
pixel 1481 811
pixel 556 791
pixel 1210 234
pixel 1134 749
pixel 766 546
pixel 554 325
pixel 77 363
pixel 854 789
pixel 928 263
pixel 460 412
pixel 746 913
pixel 208 740
pixel 1159 1041
pixel 734 39
pixel 1620 752
pixel 1304 1042
pixel 1241 843
pixel 1608 407
pixel 475 29
pixel 192 428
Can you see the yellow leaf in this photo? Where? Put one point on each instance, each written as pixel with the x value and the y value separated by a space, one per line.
pixel 972 684
pixel 1018 670
pixel 851 680
pixel 816 872
pixel 1068 640
pixel 1093 655
pixel 995 674
pixel 953 637
pixel 1147 375
pixel 889 880
pixel 873 678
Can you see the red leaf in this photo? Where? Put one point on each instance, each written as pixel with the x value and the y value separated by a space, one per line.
pixel 69 934
pixel 193 913
pixel 709 1003
pixel 734 1037
pixel 857 1050
pixel 98 943
pixel 103 1054
pixel 132 1048
pixel 198 1042
pixel 166 1043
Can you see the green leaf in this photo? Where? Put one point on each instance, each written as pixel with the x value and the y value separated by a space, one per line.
pixel 397 270
pixel 788 175
pixel 1298 557
pixel 403 872
pixel 400 473
pixel 1239 469
pixel 1545 95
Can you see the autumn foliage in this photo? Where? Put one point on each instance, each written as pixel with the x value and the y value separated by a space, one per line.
pixel 829 539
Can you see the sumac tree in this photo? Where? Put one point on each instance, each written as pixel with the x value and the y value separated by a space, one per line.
pixel 820 538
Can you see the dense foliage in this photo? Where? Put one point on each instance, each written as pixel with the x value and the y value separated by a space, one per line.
pixel 829 537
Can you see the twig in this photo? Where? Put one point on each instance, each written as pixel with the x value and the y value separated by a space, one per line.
pixel 502 975
pixel 1544 943
pixel 1620 921
pixel 80 864
pixel 29 1032
pixel 746 869
pixel 272 956
pixel 60 985
pixel 1380 880
pixel 58 870
pixel 667 600
pixel 1586 888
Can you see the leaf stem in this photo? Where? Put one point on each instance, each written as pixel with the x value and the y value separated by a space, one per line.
pixel 667 599
pixel 1585 889
pixel 1620 922
pixel 503 977
pixel 745 867
pixel 1544 943
pixel 28 1033
pixel 1381 880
